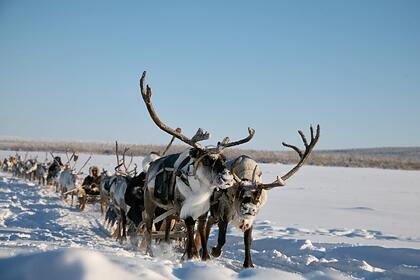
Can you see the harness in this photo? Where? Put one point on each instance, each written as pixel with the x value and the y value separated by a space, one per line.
pixel 109 183
pixel 181 173
pixel 169 169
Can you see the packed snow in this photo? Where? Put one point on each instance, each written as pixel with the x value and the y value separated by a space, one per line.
pixel 327 223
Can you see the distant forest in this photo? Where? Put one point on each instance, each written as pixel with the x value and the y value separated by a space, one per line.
pixel 407 158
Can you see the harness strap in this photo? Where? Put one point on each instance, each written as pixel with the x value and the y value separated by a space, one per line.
pixel 180 173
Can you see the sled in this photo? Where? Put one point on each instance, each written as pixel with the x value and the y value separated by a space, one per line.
pixel 85 198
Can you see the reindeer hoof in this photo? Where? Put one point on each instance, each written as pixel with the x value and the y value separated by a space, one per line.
pixel 189 256
pixel 149 252
pixel 195 255
pixel 216 252
pixel 205 256
pixel 122 239
pixel 248 264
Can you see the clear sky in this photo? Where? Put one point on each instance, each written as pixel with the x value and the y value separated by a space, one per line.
pixel 69 70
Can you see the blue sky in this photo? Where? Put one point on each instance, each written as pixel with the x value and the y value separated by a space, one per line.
pixel 69 70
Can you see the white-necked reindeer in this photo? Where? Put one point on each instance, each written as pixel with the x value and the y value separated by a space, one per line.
pixel 125 192
pixel 184 182
pixel 113 190
pixel 69 181
pixel 241 204
pixel 30 168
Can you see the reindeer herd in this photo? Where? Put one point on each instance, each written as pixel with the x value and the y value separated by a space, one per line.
pixel 173 192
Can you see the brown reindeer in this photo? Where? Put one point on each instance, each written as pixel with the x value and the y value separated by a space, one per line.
pixel 241 203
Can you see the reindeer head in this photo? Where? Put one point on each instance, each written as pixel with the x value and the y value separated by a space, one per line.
pixel 211 168
pixel 252 192
pixel 249 200
pixel 121 163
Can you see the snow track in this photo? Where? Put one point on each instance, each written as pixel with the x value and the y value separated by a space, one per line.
pixel 42 237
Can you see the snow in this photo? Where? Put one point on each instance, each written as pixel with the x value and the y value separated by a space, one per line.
pixel 62 264
pixel 327 223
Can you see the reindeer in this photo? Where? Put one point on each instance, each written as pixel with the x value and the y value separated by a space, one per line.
pixel 69 181
pixel 8 163
pixel 183 183
pixel 54 170
pixel 104 188
pixel 115 188
pixel 30 169
pixel 134 198
pixel 241 203
pixel 127 195
pixel 18 167
pixel 41 173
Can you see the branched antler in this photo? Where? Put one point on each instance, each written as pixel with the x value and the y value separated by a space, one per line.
pixel 200 135
pixel 226 144
pixel 303 156
pixel 146 93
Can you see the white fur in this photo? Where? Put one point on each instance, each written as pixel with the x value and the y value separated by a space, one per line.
pixel 197 195
pixel 196 198
pixel 244 222
pixel 117 193
pixel 30 167
pixel 68 180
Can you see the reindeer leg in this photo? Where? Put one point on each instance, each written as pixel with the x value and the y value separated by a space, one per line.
pixel 190 223
pixel 210 223
pixel 120 227
pixel 197 243
pixel 115 234
pixel 102 203
pixel 247 241
pixel 124 225
pixel 168 229
pixel 201 227
pixel 221 238
pixel 148 214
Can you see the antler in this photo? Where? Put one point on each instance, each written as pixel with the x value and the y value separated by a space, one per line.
pixel 123 160
pixel 279 182
pixel 225 143
pixel 147 94
pixel 80 170
pixel 121 163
